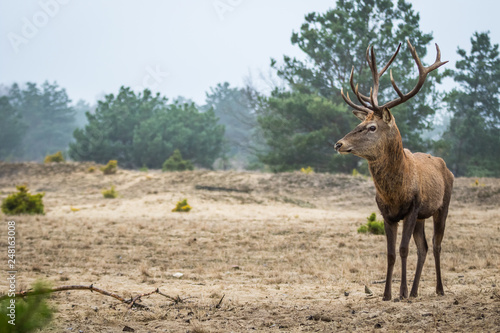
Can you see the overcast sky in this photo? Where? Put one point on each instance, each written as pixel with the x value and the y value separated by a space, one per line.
pixel 182 48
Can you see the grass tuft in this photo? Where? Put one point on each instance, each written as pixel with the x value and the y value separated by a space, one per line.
pixel 57 157
pixel 182 206
pixel 111 193
pixel 307 170
pixel 110 168
pixel 372 226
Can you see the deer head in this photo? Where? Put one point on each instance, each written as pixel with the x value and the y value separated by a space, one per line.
pixel 378 131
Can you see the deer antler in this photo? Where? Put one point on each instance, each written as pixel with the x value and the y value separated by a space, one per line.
pixel 369 104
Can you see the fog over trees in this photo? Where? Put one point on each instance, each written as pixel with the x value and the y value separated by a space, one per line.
pixel 293 125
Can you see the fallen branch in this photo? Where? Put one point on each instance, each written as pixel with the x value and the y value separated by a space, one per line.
pixel 138 297
pixel 131 302
pixel 224 189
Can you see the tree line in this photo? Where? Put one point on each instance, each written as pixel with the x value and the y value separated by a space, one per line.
pixel 292 126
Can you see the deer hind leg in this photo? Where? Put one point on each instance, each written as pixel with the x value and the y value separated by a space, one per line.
pixel 421 242
pixel 391 232
pixel 439 225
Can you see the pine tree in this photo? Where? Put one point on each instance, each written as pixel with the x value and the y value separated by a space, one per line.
pixel 310 113
pixel 470 144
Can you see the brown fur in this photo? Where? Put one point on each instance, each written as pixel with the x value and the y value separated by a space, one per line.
pixel 410 187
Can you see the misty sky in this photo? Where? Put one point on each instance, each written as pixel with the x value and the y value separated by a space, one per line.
pixel 91 48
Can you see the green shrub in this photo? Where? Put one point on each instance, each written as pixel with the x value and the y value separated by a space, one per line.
pixel 363 229
pixel 307 170
pixel 144 169
pixel 182 206
pixel 176 163
pixel 110 168
pixel 372 226
pixel 23 203
pixel 31 313
pixel 111 193
pixel 57 157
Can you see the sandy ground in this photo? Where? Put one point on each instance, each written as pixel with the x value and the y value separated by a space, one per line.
pixel 280 250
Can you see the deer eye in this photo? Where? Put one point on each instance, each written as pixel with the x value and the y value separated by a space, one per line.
pixel 372 128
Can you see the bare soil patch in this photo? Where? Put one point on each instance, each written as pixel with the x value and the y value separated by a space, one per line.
pixel 281 248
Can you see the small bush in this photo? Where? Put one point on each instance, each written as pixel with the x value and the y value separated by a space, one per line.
pixel 57 157
pixel 111 193
pixel 144 169
pixel 307 170
pixel 176 163
pixel 477 183
pixel 91 169
pixel 23 203
pixel 31 313
pixel 110 168
pixel 182 206
pixel 363 229
pixel 372 226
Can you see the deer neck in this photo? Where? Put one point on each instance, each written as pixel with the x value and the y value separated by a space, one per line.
pixel 389 169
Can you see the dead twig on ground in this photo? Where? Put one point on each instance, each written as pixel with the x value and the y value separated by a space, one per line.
pixel 177 299
pixel 220 302
pixel 383 281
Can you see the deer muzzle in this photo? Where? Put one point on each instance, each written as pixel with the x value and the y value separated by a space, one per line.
pixel 341 148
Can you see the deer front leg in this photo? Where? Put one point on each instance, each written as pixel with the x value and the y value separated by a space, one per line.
pixel 409 223
pixel 391 231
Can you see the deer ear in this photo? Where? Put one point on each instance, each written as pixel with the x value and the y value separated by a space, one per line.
pixel 387 116
pixel 361 115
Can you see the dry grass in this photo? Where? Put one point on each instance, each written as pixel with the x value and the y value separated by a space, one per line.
pixel 284 251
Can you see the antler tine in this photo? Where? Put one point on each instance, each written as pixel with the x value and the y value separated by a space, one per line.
pixel 373 67
pixel 422 75
pixel 372 98
pixel 390 61
pixel 395 86
pixel 376 76
pixel 438 61
pixel 368 56
pixel 347 99
pixel 370 103
pixel 362 98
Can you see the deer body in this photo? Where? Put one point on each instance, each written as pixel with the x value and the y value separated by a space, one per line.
pixel 409 187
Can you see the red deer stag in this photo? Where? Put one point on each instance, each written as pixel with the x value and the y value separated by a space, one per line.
pixel 410 187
